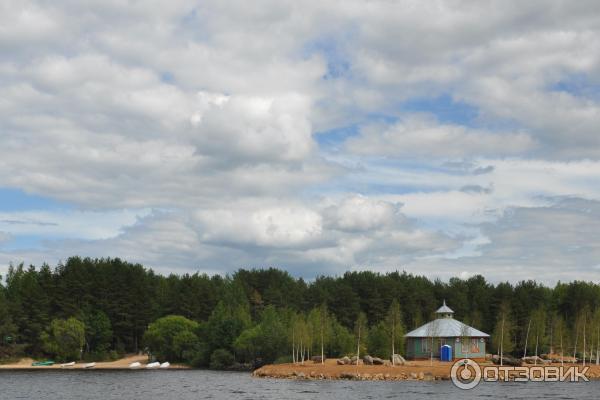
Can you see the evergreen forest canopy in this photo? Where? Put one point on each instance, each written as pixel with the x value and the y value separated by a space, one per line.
pixel 103 308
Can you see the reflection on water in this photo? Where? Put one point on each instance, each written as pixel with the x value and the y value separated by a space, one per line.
pixel 184 385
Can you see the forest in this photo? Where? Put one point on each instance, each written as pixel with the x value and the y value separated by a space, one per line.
pixel 97 309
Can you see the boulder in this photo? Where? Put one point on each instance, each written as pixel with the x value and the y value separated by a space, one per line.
pixel 508 360
pixel 347 375
pixel 535 360
pixel 343 361
pixel 368 360
pixel 377 361
pixel 489 357
pixel 397 359
pixel 316 359
pixel 354 360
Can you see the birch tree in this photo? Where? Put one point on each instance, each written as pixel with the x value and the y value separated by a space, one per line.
pixel 501 336
pixel 465 339
pixel 324 328
pixel 360 330
pixel 396 328
pixel 432 335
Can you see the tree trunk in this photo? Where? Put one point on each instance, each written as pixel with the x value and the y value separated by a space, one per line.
pixel 322 347
pixel 527 338
pixel 562 358
pixel 536 349
pixel 584 321
pixel 575 347
pixel 358 347
pixel 502 343
pixel 393 340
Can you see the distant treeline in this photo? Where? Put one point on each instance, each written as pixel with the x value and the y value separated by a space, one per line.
pixel 100 308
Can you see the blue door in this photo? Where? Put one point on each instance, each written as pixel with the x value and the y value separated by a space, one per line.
pixel 446 353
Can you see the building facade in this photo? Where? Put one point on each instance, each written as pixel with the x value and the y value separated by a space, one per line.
pixel 465 341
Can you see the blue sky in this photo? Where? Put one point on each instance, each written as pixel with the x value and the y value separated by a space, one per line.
pixel 446 139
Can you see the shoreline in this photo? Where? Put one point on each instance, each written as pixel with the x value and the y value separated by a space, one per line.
pixel 121 364
pixel 411 371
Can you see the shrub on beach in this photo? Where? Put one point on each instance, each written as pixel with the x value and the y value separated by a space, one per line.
pixel 221 359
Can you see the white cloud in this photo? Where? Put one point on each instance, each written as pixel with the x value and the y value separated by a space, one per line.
pixel 207 112
pixel 418 137
pixel 276 226
pixel 359 213
pixel 76 224
pixel 4 237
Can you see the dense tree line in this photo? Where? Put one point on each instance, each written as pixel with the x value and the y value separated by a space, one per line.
pixel 98 308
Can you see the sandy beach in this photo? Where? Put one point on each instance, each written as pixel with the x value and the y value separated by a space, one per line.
pixel 123 363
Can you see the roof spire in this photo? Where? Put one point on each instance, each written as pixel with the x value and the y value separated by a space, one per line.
pixel 444 311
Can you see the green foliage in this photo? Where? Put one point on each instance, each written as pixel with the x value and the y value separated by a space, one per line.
pixel 8 330
pixel 395 328
pixel 379 341
pixel 64 339
pixel 118 301
pixel 98 332
pixel 225 324
pixel 341 342
pixel 361 333
pixel 502 338
pixel 172 338
pixel 538 332
pixel 221 359
pixel 266 341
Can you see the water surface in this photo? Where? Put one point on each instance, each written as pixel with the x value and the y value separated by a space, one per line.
pixel 194 384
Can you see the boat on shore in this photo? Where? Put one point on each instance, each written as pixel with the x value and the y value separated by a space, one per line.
pixel 153 365
pixel 135 365
pixel 89 365
pixel 67 365
pixel 42 363
pixel 165 365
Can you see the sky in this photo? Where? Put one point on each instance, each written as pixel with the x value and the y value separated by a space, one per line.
pixel 443 138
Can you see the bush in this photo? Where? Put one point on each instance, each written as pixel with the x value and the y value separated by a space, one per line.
pixel 172 338
pixel 283 360
pixel 221 359
pixel 64 339
pixel 201 358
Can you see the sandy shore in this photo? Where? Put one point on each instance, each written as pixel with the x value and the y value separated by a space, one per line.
pixel 123 363
pixel 413 370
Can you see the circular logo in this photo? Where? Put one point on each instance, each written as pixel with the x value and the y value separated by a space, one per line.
pixel 465 374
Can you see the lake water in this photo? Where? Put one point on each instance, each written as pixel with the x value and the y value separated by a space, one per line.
pixel 193 384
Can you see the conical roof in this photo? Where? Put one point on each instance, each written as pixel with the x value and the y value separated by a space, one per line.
pixel 444 309
pixel 446 327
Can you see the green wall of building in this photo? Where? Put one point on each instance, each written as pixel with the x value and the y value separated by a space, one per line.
pixel 415 348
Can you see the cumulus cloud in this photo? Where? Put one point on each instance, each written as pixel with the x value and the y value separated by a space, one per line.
pixel 359 213
pixel 182 135
pixel 422 137
pixel 4 237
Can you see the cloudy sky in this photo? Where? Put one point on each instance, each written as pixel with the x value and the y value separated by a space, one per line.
pixel 441 138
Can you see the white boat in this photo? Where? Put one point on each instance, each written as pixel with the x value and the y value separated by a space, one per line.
pixel 153 365
pixel 135 365
pixel 67 365
pixel 165 365
pixel 89 365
